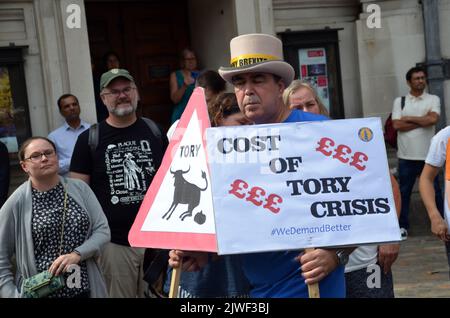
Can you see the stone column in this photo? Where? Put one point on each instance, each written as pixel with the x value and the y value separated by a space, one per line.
pixel 78 59
pixel 434 61
pixel 254 16
pixel 65 58
pixel 387 53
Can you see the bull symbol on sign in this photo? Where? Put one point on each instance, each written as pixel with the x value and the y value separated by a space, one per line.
pixel 186 193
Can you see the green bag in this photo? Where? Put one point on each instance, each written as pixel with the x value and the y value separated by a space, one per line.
pixel 41 285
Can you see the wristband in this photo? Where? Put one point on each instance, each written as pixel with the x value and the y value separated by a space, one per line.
pixel 76 252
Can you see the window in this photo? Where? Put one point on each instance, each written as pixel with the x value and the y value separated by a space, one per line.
pixel 14 114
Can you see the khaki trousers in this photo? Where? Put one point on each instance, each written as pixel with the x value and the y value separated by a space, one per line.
pixel 122 268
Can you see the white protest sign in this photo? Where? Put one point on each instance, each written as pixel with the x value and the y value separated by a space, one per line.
pixel 300 185
pixel 177 211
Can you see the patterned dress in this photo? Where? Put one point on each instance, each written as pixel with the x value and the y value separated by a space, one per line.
pixel 47 218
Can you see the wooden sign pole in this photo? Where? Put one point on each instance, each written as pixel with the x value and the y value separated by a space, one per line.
pixel 175 281
pixel 313 289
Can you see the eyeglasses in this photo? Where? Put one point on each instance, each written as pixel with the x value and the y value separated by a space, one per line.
pixel 37 156
pixel 116 93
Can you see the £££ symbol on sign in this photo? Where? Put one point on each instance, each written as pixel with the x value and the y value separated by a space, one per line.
pixel 342 153
pixel 256 195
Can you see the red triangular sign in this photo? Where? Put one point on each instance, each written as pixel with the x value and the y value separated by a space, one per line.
pixel 177 211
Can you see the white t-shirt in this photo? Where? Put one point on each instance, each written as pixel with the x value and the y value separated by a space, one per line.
pixel 436 157
pixel 362 257
pixel 413 144
pixel 438 148
pixel 172 128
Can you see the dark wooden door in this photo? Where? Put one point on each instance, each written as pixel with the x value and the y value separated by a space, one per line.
pixel 148 37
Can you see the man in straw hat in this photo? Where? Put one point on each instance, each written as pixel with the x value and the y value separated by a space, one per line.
pixel 259 76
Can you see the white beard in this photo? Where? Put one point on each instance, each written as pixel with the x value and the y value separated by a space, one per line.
pixel 120 112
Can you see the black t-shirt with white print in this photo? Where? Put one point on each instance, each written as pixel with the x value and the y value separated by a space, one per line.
pixel 124 164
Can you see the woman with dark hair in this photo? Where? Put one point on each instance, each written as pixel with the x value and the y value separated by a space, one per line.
pixel 182 83
pixel 111 60
pixel 213 84
pixel 227 112
pixel 51 224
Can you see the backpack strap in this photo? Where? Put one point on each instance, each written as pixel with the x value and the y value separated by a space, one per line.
pixel 402 104
pixel 155 129
pixel 94 135
pixel 93 138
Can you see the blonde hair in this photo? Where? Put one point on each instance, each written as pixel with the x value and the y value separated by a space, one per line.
pixel 297 84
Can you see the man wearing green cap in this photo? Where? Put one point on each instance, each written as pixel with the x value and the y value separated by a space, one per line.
pixel 119 162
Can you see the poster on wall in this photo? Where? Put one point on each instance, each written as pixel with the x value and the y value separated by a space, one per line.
pixel 313 69
pixel 7 126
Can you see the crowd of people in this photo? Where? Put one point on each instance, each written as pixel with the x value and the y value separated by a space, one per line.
pixel 86 183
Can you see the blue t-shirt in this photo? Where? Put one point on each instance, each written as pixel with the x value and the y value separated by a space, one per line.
pixel 299 115
pixel 278 274
pixel 221 278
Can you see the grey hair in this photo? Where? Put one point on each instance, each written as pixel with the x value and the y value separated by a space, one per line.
pixel 295 85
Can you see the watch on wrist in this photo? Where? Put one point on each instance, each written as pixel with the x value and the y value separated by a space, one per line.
pixel 342 257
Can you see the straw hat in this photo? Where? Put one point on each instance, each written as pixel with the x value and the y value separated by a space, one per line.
pixel 257 53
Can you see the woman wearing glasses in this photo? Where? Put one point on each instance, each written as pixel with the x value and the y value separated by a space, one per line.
pixel 51 224
pixel 182 83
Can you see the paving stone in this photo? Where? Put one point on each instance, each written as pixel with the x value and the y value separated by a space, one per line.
pixel 421 270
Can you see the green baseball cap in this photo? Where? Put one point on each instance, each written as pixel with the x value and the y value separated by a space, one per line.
pixel 114 73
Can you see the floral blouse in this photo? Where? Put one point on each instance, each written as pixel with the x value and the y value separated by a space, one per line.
pixel 47 217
